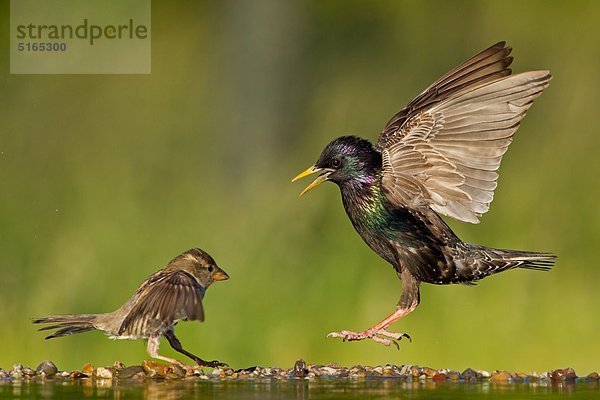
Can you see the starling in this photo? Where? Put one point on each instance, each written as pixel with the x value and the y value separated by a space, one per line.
pixel 438 155
pixel 172 294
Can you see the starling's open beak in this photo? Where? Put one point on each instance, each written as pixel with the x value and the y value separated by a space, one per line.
pixel 320 179
pixel 219 274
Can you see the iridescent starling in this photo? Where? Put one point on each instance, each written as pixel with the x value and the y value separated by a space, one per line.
pixel 170 295
pixel 438 155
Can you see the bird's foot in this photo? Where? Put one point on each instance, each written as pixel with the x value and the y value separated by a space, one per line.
pixel 378 335
pixel 211 364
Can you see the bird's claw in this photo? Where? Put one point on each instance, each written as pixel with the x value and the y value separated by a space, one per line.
pixel 395 335
pixel 380 336
pixel 211 364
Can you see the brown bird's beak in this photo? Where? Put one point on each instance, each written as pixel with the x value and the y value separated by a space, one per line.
pixel 219 274
pixel 320 179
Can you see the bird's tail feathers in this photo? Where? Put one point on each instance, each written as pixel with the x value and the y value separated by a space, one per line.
pixel 67 324
pixel 527 259
pixel 491 261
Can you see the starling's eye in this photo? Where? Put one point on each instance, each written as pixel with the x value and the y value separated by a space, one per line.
pixel 210 268
pixel 335 163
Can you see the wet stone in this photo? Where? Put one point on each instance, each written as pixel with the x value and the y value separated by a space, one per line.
pixel 16 374
pixel 454 376
pixel 470 375
pixel 327 370
pixel 104 373
pixel 377 371
pixel 519 377
pixel 563 375
pixel 153 369
pixel 484 374
pixel 48 368
pixel 78 375
pixel 228 371
pixel 118 366
pixel 300 370
pixel 500 377
pixel 88 369
pixel 391 370
pixel 175 372
pixel 357 372
pixel 415 371
pixel 131 372
pixel 428 372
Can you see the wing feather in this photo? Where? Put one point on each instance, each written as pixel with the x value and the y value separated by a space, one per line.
pixel 491 64
pixel 165 298
pixel 444 149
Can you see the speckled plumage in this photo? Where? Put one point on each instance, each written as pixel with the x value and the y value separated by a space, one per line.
pixel 439 154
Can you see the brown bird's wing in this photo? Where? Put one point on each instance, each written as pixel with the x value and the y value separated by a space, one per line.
pixel 162 300
pixel 444 148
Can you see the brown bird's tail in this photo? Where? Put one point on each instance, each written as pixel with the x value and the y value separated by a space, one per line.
pixel 67 324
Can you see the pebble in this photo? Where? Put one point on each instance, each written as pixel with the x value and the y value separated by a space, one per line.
pixel 131 372
pixel 500 377
pixel 484 374
pixel 104 373
pixel 300 370
pixel 418 375
pixel 470 375
pixel 88 369
pixel 391 370
pixel 454 376
pixel 563 375
pixel 47 367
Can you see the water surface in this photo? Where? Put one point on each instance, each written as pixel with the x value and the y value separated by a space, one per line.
pixel 283 390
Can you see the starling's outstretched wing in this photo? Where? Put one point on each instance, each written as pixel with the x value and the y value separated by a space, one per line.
pixel 444 148
pixel 165 298
pixel 491 64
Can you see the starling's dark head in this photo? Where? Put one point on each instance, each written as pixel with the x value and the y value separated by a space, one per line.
pixel 201 265
pixel 347 158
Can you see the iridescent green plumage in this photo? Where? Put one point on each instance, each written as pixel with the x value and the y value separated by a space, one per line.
pixel 439 154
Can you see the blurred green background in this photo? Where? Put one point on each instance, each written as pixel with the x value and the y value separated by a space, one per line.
pixel 104 179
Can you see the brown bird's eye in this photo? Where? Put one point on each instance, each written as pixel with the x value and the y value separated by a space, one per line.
pixel 336 163
pixel 210 268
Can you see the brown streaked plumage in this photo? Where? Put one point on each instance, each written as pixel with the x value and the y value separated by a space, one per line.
pixel 440 154
pixel 170 295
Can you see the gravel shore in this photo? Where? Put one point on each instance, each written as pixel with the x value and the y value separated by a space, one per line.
pixel 150 370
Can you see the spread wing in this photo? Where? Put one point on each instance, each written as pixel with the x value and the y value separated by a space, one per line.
pixel 162 300
pixel 491 64
pixel 444 148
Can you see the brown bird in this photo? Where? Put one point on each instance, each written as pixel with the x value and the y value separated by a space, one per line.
pixel 170 295
pixel 440 154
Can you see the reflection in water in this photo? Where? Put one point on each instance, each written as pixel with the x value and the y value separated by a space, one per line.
pixel 280 390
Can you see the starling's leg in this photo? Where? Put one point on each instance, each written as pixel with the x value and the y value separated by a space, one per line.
pixel 176 345
pixel 408 302
pixel 153 342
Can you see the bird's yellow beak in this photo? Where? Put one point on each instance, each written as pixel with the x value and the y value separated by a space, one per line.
pixel 320 179
pixel 219 274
